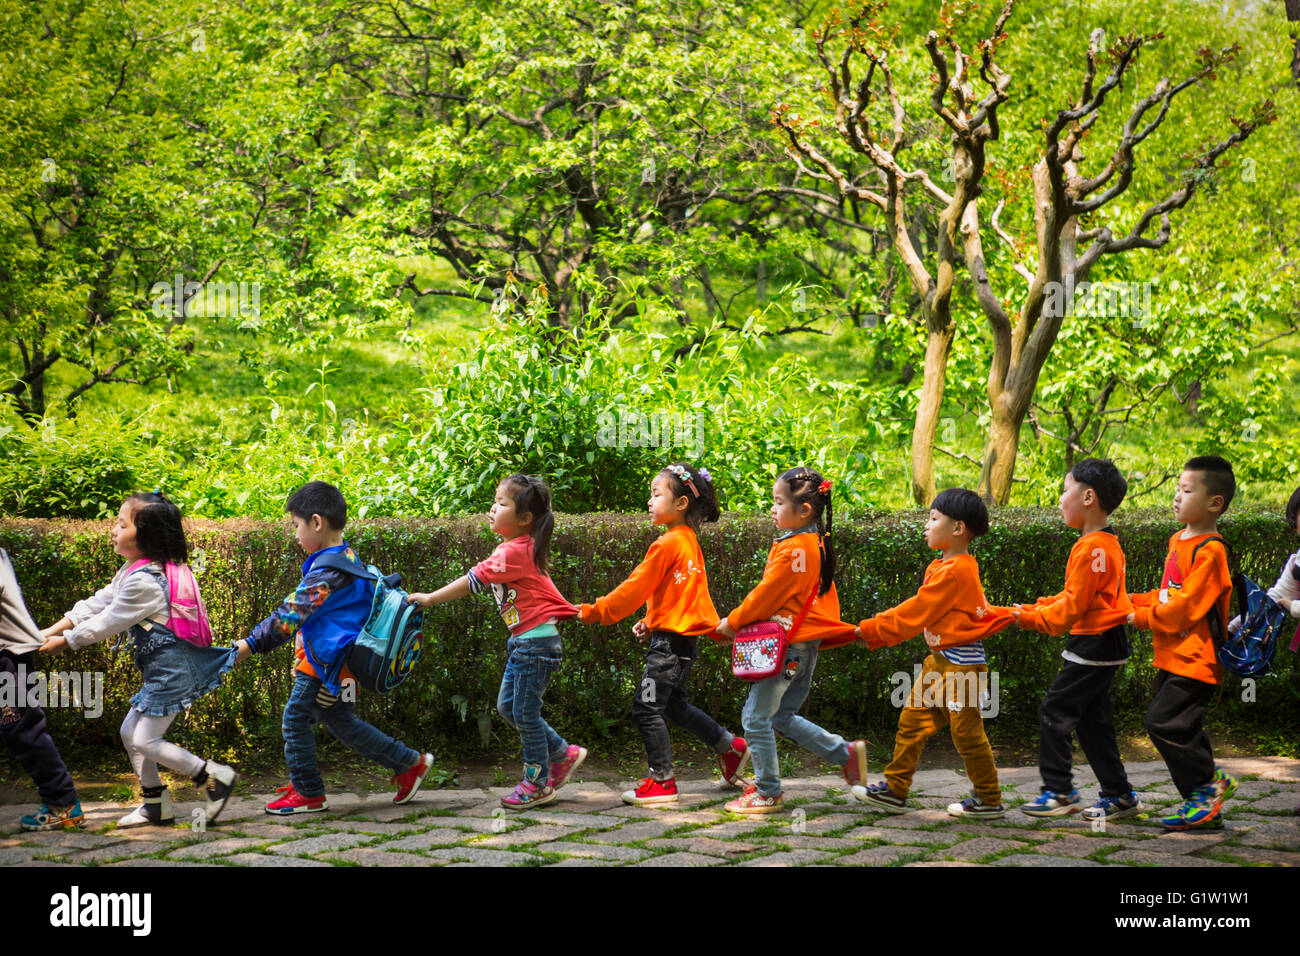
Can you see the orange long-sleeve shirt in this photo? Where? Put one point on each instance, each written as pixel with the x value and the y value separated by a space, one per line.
pixel 793 565
pixel 1095 598
pixel 670 581
pixel 1176 613
pixel 949 609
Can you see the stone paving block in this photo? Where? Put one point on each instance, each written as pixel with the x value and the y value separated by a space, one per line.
pixel 543 833
pixel 570 861
pixel 368 857
pixel 899 836
pixel 703 846
pixel 449 799
pixel 880 855
pixel 581 821
pixel 269 831
pixel 735 827
pixel 598 850
pixel 264 859
pixel 789 858
pixel 796 841
pixel 590 798
pixel 1159 859
pixel 1078 847
pixel 1254 789
pixel 367 826
pixel 1285 802
pixel 911 819
pixel 671 814
pixel 631 832
pixel 1028 833
pixel 980 847
pixel 213 848
pixel 1275 836
pixel 44 863
pixel 429 839
pixel 680 859
pixel 1186 841
pixel 115 851
pixel 1254 855
pixel 319 844
pixel 480 857
pixel 73 839
pixel 21 854
pixel 493 824
pixel 942 863
pixel 151 861
pixel 816 826
pixel 1041 859
pixel 1269 768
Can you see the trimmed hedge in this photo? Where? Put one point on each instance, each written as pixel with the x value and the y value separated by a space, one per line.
pixel 246 568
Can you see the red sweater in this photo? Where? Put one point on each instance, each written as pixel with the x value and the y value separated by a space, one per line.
pixel 1176 614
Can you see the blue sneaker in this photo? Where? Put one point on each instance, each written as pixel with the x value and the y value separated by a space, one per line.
pixel 1200 809
pixel 1112 808
pixel 56 818
pixel 1049 803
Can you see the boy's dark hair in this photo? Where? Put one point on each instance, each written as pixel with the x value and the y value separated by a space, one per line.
pixel 962 504
pixel 158 531
pixel 1101 475
pixel 702 503
pixel 1219 479
pixel 533 495
pixel 1293 510
pixel 319 498
pixel 804 484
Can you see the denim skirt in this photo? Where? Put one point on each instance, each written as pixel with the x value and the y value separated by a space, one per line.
pixel 177 673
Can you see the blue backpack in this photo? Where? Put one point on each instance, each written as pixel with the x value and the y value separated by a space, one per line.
pixel 388 646
pixel 1249 652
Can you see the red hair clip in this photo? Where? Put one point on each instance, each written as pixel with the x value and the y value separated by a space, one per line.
pixel 825 487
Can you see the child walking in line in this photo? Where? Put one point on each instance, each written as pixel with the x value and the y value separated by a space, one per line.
pixel 515 573
pixel 323 616
pixel 951 612
pixel 23 727
pixel 1196 584
pixel 154 599
pixel 672 585
pixel 800 565
pixel 1092 610
pixel 1285 592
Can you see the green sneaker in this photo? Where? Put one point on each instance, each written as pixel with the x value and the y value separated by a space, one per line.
pixel 1224 784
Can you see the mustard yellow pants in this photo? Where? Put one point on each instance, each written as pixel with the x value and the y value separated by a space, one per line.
pixel 949 697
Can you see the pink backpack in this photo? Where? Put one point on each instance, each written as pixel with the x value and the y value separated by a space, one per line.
pixel 187 616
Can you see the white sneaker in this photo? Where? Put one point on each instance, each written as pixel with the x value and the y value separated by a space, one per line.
pixel 154 812
pixel 220 785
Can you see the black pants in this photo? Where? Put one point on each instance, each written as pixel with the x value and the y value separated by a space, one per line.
pixel 1174 721
pixel 661 696
pixel 1079 702
pixel 27 736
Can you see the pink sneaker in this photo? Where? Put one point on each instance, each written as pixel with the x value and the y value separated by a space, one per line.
pixel 733 762
pixel 527 795
pixel 562 769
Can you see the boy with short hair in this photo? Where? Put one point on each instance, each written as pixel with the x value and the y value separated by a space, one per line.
pixel 1196 584
pixel 1092 610
pixel 950 610
pixel 323 616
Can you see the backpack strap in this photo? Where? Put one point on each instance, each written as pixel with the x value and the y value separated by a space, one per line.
pixel 145 565
pixel 1214 620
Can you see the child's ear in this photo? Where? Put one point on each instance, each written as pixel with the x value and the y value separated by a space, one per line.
pixel 317 523
pixel 959 529
pixel 806 511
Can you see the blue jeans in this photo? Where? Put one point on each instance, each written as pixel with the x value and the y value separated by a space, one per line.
pixel 302 711
pixel 529 668
pixel 770 709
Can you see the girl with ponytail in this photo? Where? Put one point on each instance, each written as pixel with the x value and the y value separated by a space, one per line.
pixel 515 575
pixel 801 565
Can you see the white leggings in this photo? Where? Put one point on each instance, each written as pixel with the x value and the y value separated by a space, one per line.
pixel 143 737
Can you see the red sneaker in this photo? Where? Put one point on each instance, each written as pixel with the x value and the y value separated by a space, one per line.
pixel 855 769
pixel 409 780
pixel 295 802
pixel 651 792
pixel 733 762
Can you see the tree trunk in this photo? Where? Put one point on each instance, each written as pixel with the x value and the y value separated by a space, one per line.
pixel 937 346
pixel 1293 17
pixel 1000 452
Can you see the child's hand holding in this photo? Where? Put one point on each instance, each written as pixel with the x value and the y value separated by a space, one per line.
pixel 54 645
pixel 640 631
pixel 245 651
pixel 1131 617
pixel 724 630
pixel 423 599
